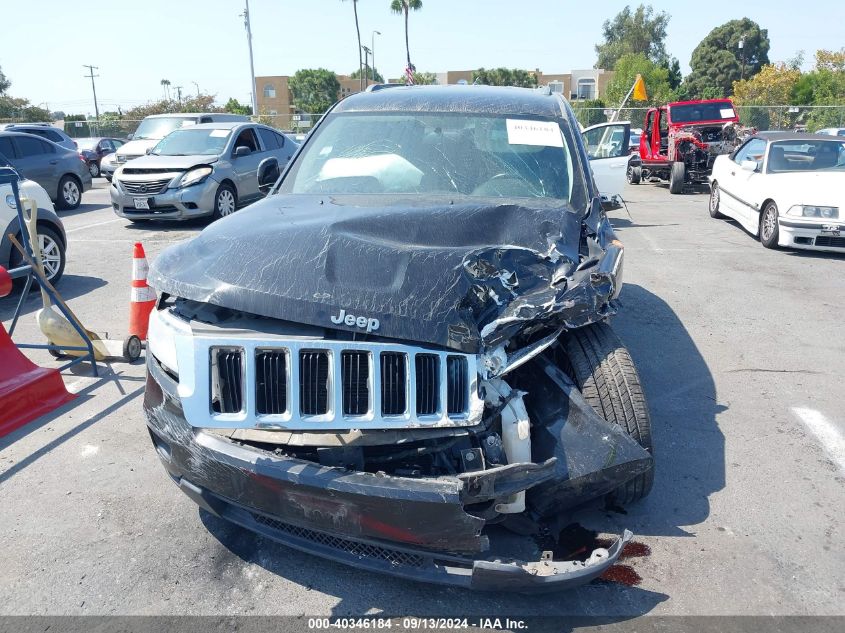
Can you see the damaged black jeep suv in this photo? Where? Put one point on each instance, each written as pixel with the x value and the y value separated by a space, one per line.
pixel 399 359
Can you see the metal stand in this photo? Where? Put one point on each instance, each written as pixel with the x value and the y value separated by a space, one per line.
pixel 9 176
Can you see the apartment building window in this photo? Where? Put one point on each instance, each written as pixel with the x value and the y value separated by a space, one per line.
pixel 556 87
pixel 586 88
pixel 269 91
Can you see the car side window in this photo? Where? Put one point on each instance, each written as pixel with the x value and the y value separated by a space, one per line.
pixel 116 144
pixel 752 150
pixel 106 146
pixel 54 136
pixel 247 139
pixel 268 138
pixel 30 146
pixel 281 138
pixel 6 147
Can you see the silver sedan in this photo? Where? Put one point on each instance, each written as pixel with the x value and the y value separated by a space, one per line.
pixel 199 170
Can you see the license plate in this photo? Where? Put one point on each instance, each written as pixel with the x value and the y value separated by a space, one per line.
pixel 830 229
pixel 141 203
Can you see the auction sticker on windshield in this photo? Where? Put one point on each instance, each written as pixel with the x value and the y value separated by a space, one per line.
pixel 528 132
pixel 219 133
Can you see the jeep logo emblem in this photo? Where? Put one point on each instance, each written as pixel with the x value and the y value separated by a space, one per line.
pixel 371 325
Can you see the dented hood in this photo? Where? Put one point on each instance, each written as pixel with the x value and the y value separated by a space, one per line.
pixel 466 275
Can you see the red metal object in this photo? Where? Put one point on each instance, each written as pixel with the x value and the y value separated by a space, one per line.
pixel 27 391
pixel 5 282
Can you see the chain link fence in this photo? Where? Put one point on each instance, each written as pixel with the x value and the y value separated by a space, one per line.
pixel 762 117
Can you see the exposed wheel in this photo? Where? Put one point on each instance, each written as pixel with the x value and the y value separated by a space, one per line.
pixel 225 201
pixel 676 177
pixel 769 226
pixel 715 196
pixel 70 192
pixel 131 348
pixel 94 169
pixel 634 174
pixel 602 368
pixel 52 254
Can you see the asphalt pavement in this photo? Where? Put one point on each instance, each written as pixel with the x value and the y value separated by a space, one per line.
pixel 742 355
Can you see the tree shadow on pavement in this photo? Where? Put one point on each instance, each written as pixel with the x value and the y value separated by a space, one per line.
pixel 69 287
pixel 359 592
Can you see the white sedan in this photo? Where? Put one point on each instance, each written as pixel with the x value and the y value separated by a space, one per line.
pixel 787 189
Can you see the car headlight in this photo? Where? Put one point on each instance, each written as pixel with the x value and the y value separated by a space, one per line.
pixel 814 211
pixel 195 176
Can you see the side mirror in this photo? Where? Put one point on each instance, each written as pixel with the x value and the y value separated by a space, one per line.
pixel 749 165
pixel 242 150
pixel 268 174
pixel 129 137
pixel 148 151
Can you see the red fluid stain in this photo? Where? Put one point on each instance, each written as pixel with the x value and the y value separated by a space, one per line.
pixel 623 574
pixel 635 550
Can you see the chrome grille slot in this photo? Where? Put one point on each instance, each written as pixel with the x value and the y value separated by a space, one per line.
pixel 428 383
pixel 227 380
pixel 355 376
pixel 394 383
pixel 145 187
pixel 313 382
pixel 457 385
pixel 271 382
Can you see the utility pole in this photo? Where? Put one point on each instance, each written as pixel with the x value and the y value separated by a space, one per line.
pixel 179 94
pixel 245 15
pixel 366 65
pixel 91 74
pixel 373 49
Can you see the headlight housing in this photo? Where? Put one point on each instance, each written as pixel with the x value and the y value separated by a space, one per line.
pixel 195 176
pixel 814 211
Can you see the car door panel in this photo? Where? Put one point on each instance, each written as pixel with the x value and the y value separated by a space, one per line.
pixel 607 148
pixel 33 161
pixel 245 168
pixel 740 184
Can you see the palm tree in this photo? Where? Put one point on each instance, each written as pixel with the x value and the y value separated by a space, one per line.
pixel 403 7
pixel 166 85
pixel 358 31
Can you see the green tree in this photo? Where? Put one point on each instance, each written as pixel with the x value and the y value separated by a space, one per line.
pixel 823 86
pixel 504 77
pixel 630 32
pixel 236 107
pixel 165 83
pixel 718 61
pixel 655 76
pixel 199 103
pixel 369 74
pixel 676 78
pixel 404 7
pixel 772 86
pixel 314 89
pixel 590 111
pixel 424 79
pixel 5 84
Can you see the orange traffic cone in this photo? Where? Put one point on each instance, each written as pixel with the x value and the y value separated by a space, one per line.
pixel 143 298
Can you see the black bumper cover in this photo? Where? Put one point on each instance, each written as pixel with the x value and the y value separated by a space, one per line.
pixel 412 528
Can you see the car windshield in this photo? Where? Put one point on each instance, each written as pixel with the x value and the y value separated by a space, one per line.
pixel 160 127
pixel 695 112
pixel 86 143
pixel 192 142
pixel 806 155
pixel 443 153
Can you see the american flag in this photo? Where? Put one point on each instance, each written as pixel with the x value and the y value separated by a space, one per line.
pixel 410 69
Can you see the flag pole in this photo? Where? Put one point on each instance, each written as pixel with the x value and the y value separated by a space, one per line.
pixel 637 79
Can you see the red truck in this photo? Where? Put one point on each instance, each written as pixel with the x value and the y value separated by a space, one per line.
pixel 681 140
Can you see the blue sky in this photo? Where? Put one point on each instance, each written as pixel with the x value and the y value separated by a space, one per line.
pixel 137 43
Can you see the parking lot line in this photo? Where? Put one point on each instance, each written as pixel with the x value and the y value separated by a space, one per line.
pixel 826 432
pixel 88 226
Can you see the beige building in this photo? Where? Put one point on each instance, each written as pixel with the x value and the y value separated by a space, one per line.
pixel 276 100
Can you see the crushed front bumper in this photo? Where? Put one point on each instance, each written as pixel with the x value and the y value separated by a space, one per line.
pixel 173 204
pixel 412 528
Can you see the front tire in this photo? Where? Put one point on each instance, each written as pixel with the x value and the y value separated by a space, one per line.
pixel 769 229
pixel 715 198
pixel 52 254
pixel 602 369
pixel 676 177
pixel 70 193
pixel 94 169
pixel 634 174
pixel 225 201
